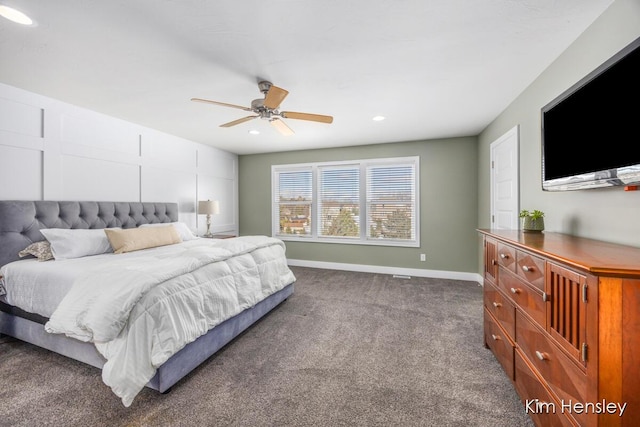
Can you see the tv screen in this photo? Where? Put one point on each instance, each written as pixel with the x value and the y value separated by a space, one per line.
pixel 591 132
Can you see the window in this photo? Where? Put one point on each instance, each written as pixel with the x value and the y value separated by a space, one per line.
pixel 391 201
pixel 294 201
pixel 364 202
pixel 339 201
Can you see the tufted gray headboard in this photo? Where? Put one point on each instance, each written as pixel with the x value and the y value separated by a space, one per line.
pixel 21 220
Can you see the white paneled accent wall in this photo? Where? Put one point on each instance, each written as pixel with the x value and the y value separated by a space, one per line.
pixel 218 181
pixel 50 150
pixel 20 173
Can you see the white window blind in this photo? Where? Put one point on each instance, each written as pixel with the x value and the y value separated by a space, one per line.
pixel 391 202
pixel 339 201
pixel 294 201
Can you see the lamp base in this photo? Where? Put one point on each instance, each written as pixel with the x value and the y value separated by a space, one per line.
pixel 208 233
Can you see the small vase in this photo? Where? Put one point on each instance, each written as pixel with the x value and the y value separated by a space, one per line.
pixel 530 225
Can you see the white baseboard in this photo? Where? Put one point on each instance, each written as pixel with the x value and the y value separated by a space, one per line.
pixel 417 272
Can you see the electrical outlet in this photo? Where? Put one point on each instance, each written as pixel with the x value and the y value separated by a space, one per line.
pixel 423 257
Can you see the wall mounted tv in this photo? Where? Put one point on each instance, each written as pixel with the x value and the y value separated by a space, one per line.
pixel 591 132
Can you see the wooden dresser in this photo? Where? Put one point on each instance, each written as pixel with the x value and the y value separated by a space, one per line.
pixel 562 316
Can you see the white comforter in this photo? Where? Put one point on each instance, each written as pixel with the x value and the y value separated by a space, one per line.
pixel 139 312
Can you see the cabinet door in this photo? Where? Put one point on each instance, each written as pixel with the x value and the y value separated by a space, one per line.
pixel 491 260
pixel 566 310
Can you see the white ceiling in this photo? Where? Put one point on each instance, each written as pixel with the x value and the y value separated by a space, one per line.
pixel 434 68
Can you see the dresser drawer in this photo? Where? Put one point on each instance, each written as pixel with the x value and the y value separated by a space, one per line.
pixel 507 257
pixel 499 342
pixel 501 307
pixel 527 298
pixel 531 269
pixel 563 376
pixel 543 409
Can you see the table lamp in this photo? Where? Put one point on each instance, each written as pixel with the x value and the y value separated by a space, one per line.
pixel 209 207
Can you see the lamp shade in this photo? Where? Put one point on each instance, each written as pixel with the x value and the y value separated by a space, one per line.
pixel 209 207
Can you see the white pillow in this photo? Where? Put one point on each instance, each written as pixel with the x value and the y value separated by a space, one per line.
pixel 182 229
pixel 77 243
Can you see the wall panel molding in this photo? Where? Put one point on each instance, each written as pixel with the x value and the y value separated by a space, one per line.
pixel 62 152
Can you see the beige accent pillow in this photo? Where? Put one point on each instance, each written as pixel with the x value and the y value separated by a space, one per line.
pixel 134 239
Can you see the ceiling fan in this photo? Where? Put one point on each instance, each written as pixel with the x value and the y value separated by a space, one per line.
pixel 267 108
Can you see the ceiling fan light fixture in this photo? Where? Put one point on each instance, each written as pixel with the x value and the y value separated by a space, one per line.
pixel 15 15
pixel 254 132
pixel 378 118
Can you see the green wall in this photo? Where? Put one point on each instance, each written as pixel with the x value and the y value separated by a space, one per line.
pixel 609 214
pixel 455 194
pixel 448 204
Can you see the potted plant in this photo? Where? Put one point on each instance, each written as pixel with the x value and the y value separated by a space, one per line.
pixel 532 222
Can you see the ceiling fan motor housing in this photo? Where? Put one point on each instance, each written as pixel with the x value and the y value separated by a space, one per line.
pixel 264 86
pixel 258 105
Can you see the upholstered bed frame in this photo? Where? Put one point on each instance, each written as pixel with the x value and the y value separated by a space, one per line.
pixel 20 224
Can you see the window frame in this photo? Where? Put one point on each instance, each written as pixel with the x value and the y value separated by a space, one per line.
pixel 363 164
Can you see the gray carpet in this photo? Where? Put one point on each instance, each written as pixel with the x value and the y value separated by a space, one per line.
pixel 346 349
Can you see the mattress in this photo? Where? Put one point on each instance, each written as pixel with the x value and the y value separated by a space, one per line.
pixel 39 287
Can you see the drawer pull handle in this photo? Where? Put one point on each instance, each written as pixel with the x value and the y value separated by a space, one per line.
pixel 495 337
pixel 494 262
pixel 545 297
pixel 497 304
pixel 526 268
pixel 504 256
pixel 541 356
pixel 515 291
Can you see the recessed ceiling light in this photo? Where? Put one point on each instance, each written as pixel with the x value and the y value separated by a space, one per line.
pixel 378 118
pixel 254 132
pixel 15 15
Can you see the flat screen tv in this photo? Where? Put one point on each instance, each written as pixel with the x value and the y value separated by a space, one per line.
pixel 591 132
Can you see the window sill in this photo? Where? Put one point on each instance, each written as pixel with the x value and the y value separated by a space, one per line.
pixel 348 241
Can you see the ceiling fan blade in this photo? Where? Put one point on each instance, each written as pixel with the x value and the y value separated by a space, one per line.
pixel 237 122
pixel 274 97
pixel 306 116
pixel 281 127
pixel 224 104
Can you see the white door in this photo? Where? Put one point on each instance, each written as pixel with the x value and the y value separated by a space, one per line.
pixel 504 181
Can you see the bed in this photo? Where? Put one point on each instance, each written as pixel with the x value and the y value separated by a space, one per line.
pixel 154 313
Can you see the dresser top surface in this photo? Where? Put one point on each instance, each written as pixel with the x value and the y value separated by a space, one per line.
pixel 594 256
